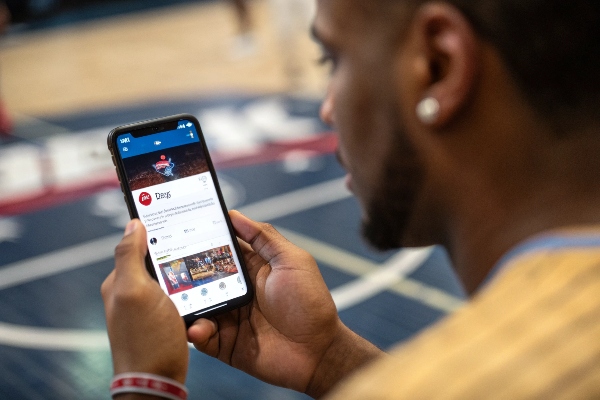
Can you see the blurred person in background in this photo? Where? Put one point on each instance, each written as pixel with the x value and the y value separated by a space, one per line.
pixel 292 20
pixel 244 44
pixel 473 125
pixel 20 11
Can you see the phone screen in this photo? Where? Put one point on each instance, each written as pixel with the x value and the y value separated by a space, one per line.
pixel 175 196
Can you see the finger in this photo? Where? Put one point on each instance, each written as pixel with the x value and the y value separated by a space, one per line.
pixel 203 334
pixel 262 237
pixel 253 261
pixel 228 327
pixel 245 247
pixel 130 252
pixel 216 337
pixel 106 287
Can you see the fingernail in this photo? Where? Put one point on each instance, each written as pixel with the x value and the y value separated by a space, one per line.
pixel 131 225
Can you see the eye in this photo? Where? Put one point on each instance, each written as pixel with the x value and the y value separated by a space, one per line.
pixel 327 58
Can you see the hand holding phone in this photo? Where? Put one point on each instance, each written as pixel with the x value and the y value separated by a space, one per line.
pixel 291 334
pixel 169 183
pixel 145 330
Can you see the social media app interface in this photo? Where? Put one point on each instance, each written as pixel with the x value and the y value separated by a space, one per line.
pixel 176 199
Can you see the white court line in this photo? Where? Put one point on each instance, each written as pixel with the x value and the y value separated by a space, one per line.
pixel 373 279
pixel 298 200
pixel 374 275
pixel 428 295
pixel 58 261
pixel 102 249
pixel 392 271
pixel 30 337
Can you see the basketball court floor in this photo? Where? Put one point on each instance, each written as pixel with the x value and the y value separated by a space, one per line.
pixel 69 79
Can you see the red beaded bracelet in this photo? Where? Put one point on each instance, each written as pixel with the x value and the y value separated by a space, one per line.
pixel 139 382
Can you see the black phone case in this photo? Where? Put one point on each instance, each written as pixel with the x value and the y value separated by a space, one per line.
pixel 163 124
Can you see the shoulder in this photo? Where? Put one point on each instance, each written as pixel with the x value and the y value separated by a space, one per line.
pixel 529 334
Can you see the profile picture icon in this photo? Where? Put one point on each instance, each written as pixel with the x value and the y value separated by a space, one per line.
pixel 153 241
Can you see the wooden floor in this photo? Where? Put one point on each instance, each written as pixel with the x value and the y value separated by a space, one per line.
pixel 169 53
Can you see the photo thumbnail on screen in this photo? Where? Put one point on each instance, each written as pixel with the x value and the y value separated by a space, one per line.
pixel 198 269
pixel 165 165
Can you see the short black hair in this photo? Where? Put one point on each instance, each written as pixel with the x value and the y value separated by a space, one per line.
pixel 551 48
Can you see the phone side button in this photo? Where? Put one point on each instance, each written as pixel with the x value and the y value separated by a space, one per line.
pixel 125 200
pixel 113 160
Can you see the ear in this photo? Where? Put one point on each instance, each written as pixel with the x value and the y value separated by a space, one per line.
pixel 447 62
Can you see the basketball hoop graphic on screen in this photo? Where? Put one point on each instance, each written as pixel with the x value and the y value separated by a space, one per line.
pixel 164 166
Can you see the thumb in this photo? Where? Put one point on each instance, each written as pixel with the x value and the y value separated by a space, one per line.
pixel 262 237
pixel 201 333
pixel 130 252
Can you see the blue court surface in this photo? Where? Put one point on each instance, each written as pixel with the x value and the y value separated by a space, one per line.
pixel 57 236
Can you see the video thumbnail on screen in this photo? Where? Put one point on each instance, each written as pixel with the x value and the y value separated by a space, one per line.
pixel 198 269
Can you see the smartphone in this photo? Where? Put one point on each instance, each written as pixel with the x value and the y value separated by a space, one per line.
pixel 169 183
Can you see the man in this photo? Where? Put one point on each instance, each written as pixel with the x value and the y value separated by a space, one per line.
pixel 292 19
pixel 468 124
pixel 244 44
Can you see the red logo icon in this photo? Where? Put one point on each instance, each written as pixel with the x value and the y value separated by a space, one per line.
pixel 145 198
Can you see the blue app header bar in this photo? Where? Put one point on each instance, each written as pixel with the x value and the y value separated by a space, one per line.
pixel 130 146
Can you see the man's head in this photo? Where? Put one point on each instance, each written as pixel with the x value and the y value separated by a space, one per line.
pixel 550 48
pixel 509 77
pixel 362 104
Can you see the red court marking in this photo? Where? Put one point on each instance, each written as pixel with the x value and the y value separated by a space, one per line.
pixel 51 196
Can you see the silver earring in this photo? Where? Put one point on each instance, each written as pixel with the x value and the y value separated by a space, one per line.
pixel 428 110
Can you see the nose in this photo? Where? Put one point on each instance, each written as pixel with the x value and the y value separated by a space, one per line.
pixel 326 111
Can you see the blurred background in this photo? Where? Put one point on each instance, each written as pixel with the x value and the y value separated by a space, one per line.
pixel 70 71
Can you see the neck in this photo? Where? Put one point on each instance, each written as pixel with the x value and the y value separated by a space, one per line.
pixel 556 189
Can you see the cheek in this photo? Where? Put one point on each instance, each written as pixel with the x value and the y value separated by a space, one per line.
pixel 352 112
pixel 362 122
